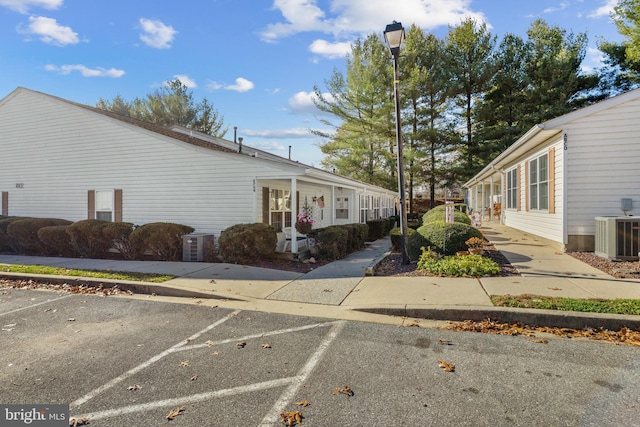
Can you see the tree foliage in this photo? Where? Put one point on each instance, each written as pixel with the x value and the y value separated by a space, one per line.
pixel 172 104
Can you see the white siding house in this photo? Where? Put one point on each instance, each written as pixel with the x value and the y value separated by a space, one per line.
pixel 562 174
pixel 59 159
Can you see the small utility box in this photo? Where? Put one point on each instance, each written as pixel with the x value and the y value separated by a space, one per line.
pixel 196 247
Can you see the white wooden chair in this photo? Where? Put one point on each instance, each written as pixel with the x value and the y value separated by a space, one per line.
pixel 287 239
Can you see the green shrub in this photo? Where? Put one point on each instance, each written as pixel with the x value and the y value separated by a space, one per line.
pixel 438 213
pixel 331 242
pixel 458 266
pixel 87 239
pixel 442 237
pixel 396 237
pixel 24 233
pixel 7 244
pixel 56 241
pixel 118 234
pixel 357 236
pixel 162 239
pixel 245 243
pixel 377 229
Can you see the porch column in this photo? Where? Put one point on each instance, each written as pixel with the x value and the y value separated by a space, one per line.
pixel 491 202
pixel 294 216
pixel 484 199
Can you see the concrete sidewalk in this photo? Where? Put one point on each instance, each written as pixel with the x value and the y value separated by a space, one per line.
pixel 343 285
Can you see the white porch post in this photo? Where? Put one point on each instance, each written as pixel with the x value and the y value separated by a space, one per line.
pixel 333 205
pixel 484 199
pixel 491 198
pixel 294 216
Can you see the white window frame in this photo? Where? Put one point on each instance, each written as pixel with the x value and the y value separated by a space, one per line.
pixel 104 205
pixel 280 207
pixel 539 183
pixel 512 189
pixel 342 207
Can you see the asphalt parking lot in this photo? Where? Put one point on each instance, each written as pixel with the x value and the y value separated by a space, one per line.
pixel 130 361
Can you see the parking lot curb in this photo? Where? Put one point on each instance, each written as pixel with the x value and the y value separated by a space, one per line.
pixel 531 317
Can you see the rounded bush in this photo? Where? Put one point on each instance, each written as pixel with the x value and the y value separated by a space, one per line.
pixel 119 233
pixel 441 237
pixel 87 238
pixel 163 240
pixel 332 242
pixel 437 214
pixel 245 243
pixel 24 233
pixel 396 237
pixel 56 240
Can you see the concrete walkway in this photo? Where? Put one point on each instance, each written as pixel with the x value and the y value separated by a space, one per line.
pixel 344 285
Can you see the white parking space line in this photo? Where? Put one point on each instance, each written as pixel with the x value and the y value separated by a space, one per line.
pixel 260 335
pixel 273 416
pixel 149 362
pixel 34 305
pixel 280 382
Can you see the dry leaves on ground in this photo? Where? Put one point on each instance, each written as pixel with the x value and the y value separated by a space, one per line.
pixel 175 412
pixel 74 422
pixel 65 287
pixel 291 418
pixel 343 390
pixel 624 336
pixel 449 367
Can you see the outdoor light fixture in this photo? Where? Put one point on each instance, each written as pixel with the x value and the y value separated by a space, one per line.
pixel 394 36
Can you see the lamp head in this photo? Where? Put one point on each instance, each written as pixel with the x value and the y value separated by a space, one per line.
pixel 394 36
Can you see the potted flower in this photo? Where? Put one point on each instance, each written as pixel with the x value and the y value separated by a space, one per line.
pixel 475 245
pixel 304 222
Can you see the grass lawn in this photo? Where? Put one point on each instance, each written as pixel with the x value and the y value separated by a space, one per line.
pixel 61 271
pixel 615 306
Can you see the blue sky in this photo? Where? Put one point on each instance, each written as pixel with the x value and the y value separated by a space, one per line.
pixel 256 60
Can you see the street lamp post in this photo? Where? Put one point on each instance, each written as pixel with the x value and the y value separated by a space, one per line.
pixel 394 36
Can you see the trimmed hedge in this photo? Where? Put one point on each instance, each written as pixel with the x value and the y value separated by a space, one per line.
pixel 24 233
pixel 87 239
pixel 331 242
pixel 396 237
pixel 379 228
pixel 56 241
pixel 119 233
pixel 441 237
pixel 438 214
pixel 162 239
pixel 7 244
pixel 246 243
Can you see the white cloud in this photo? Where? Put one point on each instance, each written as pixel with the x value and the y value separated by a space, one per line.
pixel 360 17
pixel 50 31
pixel 85 71
pixel 562 6
pixel 23 6
pixel 291 133
pixel 302 102
pixel 604 10
pixel 186 80
pixel 241 85
pixel 156 34
pixel 330 50
pixel 593 60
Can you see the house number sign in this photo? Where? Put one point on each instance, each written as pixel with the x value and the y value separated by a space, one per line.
pixel 20 185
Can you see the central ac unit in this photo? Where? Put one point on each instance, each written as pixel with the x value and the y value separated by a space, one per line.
pixel 618 237
pixel 196 247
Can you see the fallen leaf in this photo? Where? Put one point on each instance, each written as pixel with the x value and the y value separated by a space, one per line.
pixel 555 288
pixel 134 387
pixel 449 367
pixel 266 345
pixel 175 412
pixel 344 390
pixel 413 324
pixel 71 319
pixel 215 353
pixel 241 344
pixel 185 363
pixel 303 403
pixel 291 418
pixel 193 378
pixel 74 422
pixel 209 343
pixel 541 341
pixel 445 342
